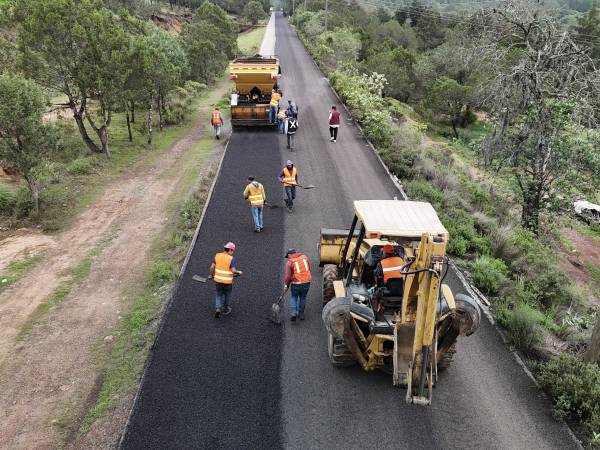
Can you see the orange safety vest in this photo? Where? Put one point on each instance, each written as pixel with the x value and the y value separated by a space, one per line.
pixel 281 114
pixel 216 118
pixel 255 195
pixel 391 268
pixel 300 269
pixel 289 179
pixel 223 273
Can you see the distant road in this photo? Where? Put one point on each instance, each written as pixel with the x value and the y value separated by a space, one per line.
pixel 243 383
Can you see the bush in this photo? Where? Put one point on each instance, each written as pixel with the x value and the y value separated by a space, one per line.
pixel 8 200
pixel 82 166
pixel 162 273
pixel 178 106
pixel 24 203
pixel 193 87
pixel 575 389
pixel 423 190
pixel 489 273
pixel 524 325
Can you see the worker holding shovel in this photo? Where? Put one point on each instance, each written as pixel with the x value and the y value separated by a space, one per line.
pixel 289 178
pixel 222 270
pixel 298 276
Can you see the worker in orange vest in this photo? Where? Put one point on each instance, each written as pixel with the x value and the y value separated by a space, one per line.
pixel 389 267
pixel 274 105
pixel 255 194
pixel 289 178
pixel 217 122
pixel 298 276
pixel 222 270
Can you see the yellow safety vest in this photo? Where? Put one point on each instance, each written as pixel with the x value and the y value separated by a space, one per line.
pixel 289 179
pixel 223 273
pixel 275 99
pixel 255 195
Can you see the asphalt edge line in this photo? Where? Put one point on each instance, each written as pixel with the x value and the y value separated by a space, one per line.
pixel 472 290
pixel 172 295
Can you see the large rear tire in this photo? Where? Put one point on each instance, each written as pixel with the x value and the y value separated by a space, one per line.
pixel 339 355
pixel 330 274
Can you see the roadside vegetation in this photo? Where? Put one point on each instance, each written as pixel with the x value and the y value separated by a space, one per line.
pixel 492 116
pixel 128 80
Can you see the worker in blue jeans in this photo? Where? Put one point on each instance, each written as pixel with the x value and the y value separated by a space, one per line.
pixel 222 270
pixel 298 276
pixel 289 178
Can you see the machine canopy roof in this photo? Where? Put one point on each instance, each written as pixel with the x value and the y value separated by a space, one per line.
pixel 399 218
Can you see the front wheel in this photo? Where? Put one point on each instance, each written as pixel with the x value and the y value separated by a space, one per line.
pixel 330 274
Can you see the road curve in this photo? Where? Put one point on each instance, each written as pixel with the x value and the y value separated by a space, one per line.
pixel 242 382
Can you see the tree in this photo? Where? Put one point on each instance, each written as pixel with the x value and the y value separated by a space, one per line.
pixel 79 48
pixel 447 100
pixel 253 11
pixel 541 100
pixel 336 47
pixel 397 64
pixel 24 139
pixel 206 59
pixel 226 38
pixel 587 32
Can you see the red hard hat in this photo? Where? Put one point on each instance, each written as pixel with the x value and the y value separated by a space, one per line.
pixel 230 246
pixel 388 248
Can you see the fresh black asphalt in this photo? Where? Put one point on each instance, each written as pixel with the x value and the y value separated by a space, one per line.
pixel 242 382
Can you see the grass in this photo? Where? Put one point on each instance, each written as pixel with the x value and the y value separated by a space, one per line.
pixel 593 270
pixel 137 330
pixel 250 41
pixel 16 269
pixel 74 276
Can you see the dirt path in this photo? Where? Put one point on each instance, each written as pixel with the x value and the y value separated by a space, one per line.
pixel 56 368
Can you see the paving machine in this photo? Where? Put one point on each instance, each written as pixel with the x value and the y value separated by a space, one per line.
pixel 408 326
pixel 255 77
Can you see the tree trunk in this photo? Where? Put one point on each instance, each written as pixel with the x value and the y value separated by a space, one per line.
pixel 160 111
pixel 103 135
pixel 454 128
pixel 84 134
pixel 35 191
pixel 132 111
pixel 150 124
pixel 128 126
pixel 593 351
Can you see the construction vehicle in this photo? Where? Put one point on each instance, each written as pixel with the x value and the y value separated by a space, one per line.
pixel 255 77
pixel 409 326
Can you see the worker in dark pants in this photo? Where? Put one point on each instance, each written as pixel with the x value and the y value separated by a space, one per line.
pixel 292 128
pixel 289 178
pixel 334 123
pixel 298 276
pixel 389 267
pixel 222 270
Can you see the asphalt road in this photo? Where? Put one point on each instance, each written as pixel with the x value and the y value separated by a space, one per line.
pixel 242 382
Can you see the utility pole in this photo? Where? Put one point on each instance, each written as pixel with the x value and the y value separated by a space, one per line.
pixel 326 5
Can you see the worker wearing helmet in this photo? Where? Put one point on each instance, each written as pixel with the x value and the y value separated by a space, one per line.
pixel 298 276
pixel 289 178
pixel 389 267
pixel 217 122
pixel 222 270
pixel 255 194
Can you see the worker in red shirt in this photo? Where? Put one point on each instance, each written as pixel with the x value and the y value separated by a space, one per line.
pixel 334 123
pixel 216 119
pixel 297 274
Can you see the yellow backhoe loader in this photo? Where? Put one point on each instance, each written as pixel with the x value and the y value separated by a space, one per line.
pixel 408 325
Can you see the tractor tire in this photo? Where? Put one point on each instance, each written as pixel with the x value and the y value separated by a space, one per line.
pixel 339 355
pixel 446 360
pixel 330 274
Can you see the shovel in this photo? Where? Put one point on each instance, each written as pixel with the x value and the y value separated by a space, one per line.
pixel 310 186
pixel 271 205
pixel 199 279
pixel 275 316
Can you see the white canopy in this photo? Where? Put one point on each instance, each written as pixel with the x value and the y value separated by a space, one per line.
pixel 399 218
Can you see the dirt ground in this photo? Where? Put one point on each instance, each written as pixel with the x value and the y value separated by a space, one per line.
pixel 45 379
pixel 586 249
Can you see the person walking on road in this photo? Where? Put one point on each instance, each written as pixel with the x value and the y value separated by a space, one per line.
pixel 217 122
pixel 292 128
pixel 334 123
pixel 222 270
pixel 297 274
pixel 282 119
pixel 289 178
pixel 292 109
pixel 255 194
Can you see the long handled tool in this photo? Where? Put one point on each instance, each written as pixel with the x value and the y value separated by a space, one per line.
pixel 199 279
pixel 275 316
pixel 310 186
pixel 271 205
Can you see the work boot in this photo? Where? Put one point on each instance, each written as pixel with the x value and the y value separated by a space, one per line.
pixel 301 316
pixel 293 318
pixel 227 310
pixel 217 313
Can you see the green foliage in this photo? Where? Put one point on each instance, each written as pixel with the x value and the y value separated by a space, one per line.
pixel 178 106
pixel 423 190
pixel 254 11
pixel 8 199
pixel 524 325
pixel 82 166
pixel 336 47
pixel 575 389
pixel 489 274
pixel 397 65
pixel 447 99
pixel 207 60
pixel 161 273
